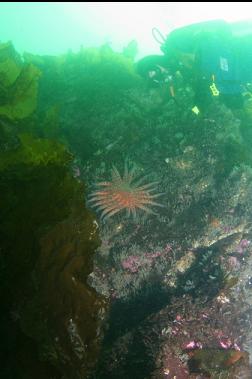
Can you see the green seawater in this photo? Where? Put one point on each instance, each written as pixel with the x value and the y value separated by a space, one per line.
pixel 125 190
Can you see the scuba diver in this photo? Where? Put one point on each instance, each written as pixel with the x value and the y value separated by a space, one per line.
pixel 213 57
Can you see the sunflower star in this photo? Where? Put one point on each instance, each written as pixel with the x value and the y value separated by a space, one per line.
pixel 124 193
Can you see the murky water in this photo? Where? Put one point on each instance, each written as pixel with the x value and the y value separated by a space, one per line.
pixel 126 187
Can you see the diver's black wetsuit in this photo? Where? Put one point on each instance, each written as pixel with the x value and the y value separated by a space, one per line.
pixel 222 59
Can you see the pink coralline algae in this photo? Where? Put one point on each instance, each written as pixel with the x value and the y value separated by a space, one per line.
pixel 242 246
pixel 152 256
pixel 171 367
pixel 228 344
pixel 133 263
pixel 225 341
pixel 179 318
pixel 233 263
pixel 168 248
pixel 192 345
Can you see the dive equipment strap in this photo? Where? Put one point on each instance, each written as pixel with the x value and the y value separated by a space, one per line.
pixel 213 88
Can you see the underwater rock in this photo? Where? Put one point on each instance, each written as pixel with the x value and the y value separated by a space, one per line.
pixel 213 362
pixel 98 103
pixel 170 366
pixel 180 266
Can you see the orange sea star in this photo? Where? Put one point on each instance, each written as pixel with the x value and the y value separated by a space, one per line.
pixel 124 193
